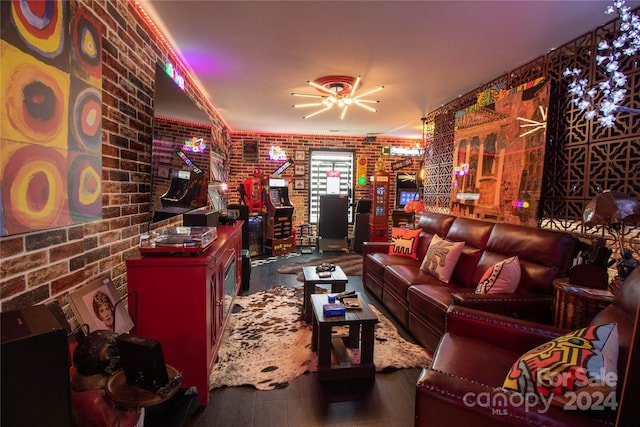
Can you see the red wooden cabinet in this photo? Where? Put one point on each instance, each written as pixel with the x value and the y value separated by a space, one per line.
pixel 184 301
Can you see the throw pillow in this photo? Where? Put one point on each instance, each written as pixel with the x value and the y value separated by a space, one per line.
pixel 584 360
pixel 441 258
pixel 404 242
pixel 503 277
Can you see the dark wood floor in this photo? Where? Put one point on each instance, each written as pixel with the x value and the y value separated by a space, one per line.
pixel 386 401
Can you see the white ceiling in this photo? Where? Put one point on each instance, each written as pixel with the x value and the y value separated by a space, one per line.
pixel 248 56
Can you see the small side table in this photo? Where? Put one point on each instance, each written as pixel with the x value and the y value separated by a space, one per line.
pixel 361 325
pixel 130 396
pixel 575 306
pixel 338 281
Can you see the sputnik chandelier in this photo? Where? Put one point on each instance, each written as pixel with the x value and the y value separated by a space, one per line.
pixel 339 92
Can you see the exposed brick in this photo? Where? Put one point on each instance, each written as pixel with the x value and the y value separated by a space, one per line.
pixel 67 282
pixel 116 175
pixel 76 263
pixel 26 299
pixel 44 239
pixel 13 286
pixel 11 246
pixel 66 251
pixel 108 238
pixel 46 274
pixel 17 265
pixel 95 228
pixel 90 243
pixel 120 246
pixel 109 263
pixel 96 254
pixel 75 232
pixel 112 212
pixel 119 223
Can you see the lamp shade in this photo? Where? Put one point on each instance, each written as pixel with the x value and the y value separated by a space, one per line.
pixel 414 206
pixel 610 207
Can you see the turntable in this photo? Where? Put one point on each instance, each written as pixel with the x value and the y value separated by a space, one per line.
pixel 177 240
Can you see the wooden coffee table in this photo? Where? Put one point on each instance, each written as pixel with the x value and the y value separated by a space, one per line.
pixel 361 325
pixel 337 280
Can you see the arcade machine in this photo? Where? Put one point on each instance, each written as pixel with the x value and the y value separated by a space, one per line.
pixel 379 218
pixel 407 190
pixel 279 239
pixel 187 191
pixel 251 195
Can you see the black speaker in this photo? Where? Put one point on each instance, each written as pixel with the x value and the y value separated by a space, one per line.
pixel 203 218
pixel 142 361
pixel 241 212
pixel 363 206
pixel 360 232
pixel 333 222
pixel 35 369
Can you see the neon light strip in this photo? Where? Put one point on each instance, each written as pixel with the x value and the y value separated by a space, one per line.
pixel 188 162
pixel 163 41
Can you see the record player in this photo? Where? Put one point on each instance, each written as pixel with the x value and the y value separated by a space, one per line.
pixel 177 240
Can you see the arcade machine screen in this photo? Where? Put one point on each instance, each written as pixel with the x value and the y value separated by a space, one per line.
pixel 275 191
pixel 406 196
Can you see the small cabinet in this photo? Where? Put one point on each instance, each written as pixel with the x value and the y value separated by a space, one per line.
pixel 184 302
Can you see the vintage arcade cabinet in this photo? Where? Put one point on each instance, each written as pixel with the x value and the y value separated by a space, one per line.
pixel 188 189
pixel 379 218
pixel 278 236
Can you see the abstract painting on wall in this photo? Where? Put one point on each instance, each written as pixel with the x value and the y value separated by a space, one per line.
pixel 51 85
pixel 499 155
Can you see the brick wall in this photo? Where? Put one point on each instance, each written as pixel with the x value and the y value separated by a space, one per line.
pixel 46 265
pixel 291 143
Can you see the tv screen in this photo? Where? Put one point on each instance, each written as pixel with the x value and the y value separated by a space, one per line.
pixel 405 197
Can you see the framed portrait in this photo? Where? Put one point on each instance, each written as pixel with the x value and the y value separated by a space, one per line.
pixel 163 172
pixel 298 170
pixel 250 151
pixel 95 305
pixel 298 184
pixel 299 156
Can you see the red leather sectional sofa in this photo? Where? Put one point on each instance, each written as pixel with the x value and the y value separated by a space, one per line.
pixel 478 350
pixel 419 301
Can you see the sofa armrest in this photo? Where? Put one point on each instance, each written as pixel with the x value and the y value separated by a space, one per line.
pixel 446 399
pixel 375 247
pixel 534 307
pixel 506 332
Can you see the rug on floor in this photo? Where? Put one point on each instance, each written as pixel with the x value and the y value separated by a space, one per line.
pixel 267 344
pixel 351 264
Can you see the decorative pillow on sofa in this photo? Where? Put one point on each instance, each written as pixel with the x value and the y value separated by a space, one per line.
pixel 503 277
pixel 404 242
pixel 584 360
pixel 441 258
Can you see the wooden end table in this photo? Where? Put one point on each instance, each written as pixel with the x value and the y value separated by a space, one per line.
pixel 361 325
pixel 575 306
pixel 338 281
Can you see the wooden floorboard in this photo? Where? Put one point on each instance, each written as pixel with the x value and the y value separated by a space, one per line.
pixel 387 401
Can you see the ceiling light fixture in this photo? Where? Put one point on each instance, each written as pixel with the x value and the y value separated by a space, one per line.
pixel 338 91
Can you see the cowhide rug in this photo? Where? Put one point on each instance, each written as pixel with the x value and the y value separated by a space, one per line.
pixel 351 264
pixel 267 344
